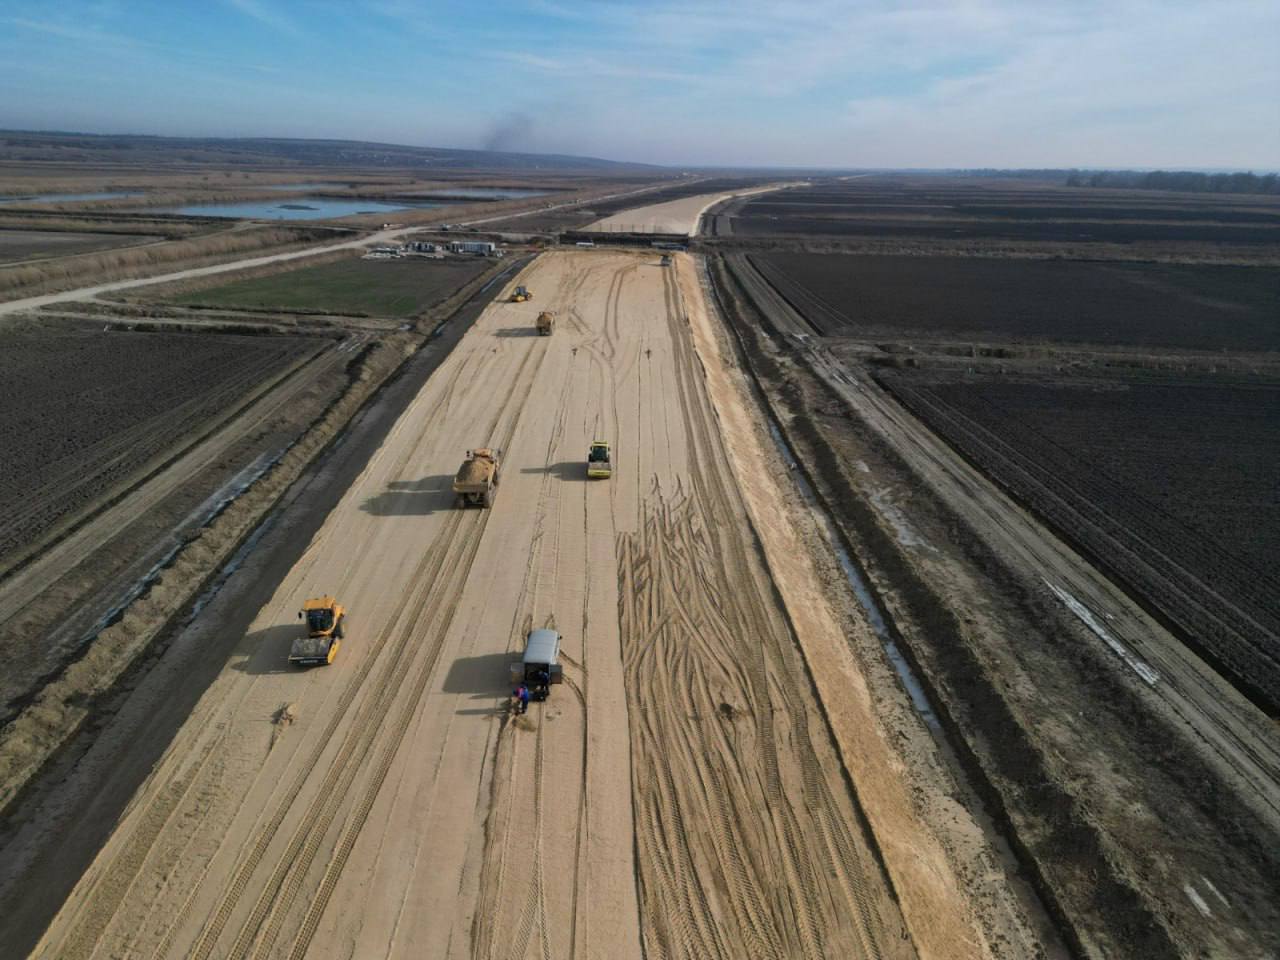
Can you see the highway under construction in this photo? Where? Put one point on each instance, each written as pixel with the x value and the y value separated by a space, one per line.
pixel 685 792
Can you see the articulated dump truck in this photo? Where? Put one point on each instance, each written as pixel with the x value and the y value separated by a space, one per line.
pixel 546 323
pixel 477 480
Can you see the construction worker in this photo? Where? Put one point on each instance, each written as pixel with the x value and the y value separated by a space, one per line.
pixel 520 699
pixel 541 684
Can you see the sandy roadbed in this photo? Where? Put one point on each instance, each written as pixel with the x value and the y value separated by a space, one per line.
pixel 673 216
pixel 681 795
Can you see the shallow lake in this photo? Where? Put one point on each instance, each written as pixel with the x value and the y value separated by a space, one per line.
pixel 303 208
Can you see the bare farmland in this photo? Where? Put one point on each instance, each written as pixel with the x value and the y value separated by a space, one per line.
pixel 1193 306
pixel 973 210
pixel 30 244
pixel 98 407
pixel 1006 229
pixel 1170 485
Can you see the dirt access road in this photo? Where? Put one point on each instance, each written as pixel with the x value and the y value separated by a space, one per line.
pixel 679 796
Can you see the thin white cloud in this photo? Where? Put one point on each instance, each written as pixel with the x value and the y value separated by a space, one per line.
pixel 1105 94
pixel 73 32
pixel 581 65
pixel 825 82
pixel 266 15
pixel 930 83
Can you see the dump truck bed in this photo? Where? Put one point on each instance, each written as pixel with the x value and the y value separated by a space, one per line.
pixel 473 475
pixel 476 481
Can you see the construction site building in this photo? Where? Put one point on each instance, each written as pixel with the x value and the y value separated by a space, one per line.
pixel 483 248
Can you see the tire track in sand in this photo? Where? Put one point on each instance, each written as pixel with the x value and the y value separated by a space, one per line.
pixel 744 843
pixel 511 916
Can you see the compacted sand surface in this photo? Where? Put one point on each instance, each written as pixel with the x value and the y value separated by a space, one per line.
pixel 673 216
pixel 680 795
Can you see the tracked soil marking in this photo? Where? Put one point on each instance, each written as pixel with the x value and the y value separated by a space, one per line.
pixel 746 838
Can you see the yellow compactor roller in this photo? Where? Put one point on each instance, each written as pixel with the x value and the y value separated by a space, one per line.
pixel 599 462
pixel 324 617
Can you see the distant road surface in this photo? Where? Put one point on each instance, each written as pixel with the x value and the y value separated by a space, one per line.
pixel 673 216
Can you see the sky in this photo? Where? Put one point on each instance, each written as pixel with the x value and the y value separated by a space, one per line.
pixel 822 83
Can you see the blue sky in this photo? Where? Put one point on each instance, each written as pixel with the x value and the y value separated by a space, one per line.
pixel 758 82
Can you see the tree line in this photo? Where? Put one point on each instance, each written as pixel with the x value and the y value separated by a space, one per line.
pixel 1185 181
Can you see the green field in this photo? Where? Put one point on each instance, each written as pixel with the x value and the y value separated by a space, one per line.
pixel 378 288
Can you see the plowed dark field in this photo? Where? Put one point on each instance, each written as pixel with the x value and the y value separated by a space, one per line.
pixel 84 411
pixel 30 244
pixel 1191 306
pixel 1172 486
pixel 976 210
pixel 960 229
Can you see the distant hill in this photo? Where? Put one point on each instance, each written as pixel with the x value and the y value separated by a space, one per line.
pixel 22 146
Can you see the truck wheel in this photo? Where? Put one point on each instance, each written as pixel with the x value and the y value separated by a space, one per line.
pixel 338 630
pixel 488 497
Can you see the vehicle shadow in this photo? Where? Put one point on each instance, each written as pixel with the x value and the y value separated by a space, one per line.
pixel 566 470
pixel 485 675
pixel 268 650
pixel 529 331
pixel 412 498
